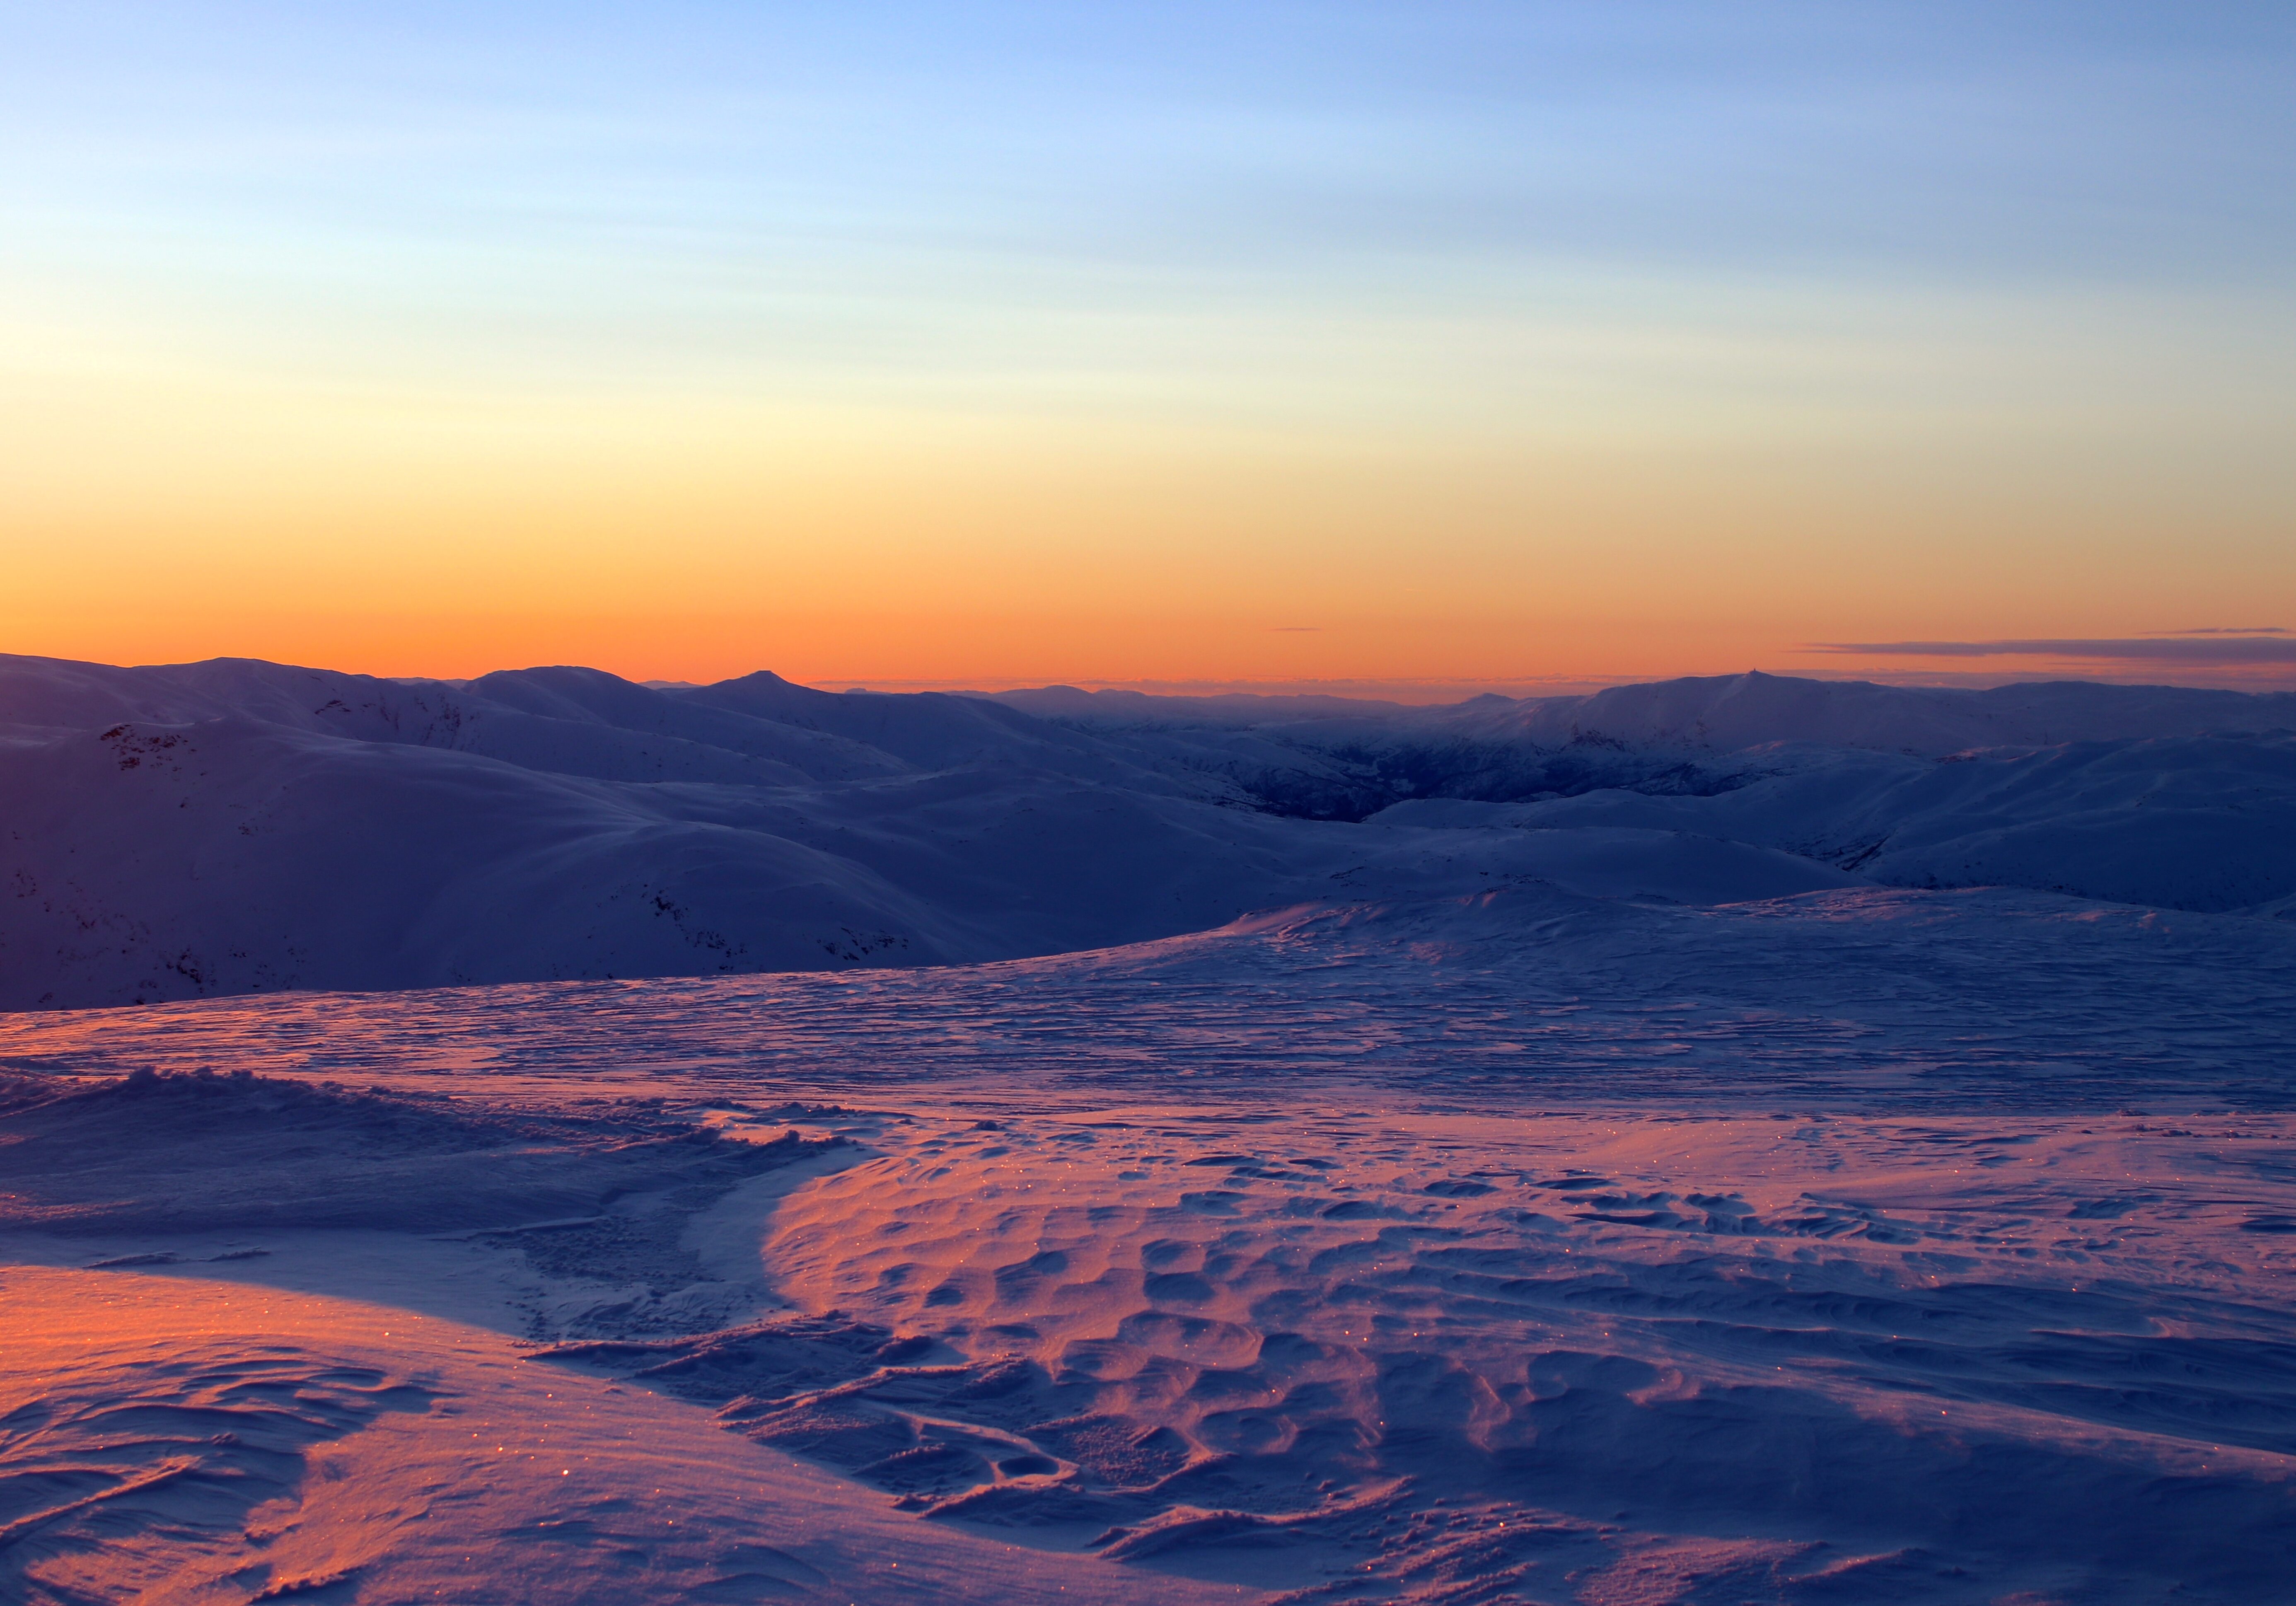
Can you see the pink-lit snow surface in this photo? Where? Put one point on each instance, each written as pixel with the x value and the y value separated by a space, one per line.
pixel 1864 1245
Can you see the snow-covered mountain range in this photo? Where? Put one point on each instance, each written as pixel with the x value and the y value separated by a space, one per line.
pixel 237 826
pixel 1744 1140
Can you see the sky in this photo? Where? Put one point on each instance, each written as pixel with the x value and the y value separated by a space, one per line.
pixel 1353 345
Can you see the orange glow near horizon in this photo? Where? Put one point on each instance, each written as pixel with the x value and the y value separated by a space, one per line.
pixel 1011 552
pixel 1516 348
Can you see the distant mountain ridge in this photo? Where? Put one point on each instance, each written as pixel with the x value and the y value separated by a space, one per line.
pixel 234 825
pixel 1727 712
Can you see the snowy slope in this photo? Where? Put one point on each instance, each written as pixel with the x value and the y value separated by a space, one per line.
pixel 1540 1246
pixel 2192 822
pixel 1326 757
pixel 167 862
pixel 231 856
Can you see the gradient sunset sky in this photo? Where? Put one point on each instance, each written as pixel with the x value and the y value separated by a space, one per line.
pixel 1449 344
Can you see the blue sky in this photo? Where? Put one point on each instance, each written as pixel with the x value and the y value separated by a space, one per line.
pixel 2005 247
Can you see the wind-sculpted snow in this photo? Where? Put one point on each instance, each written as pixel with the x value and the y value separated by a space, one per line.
pixel 1535 998
pixel 172 1437
pixel 234 827
pixel 1538 1246
pixel 1745 1141
pixel 1429 1352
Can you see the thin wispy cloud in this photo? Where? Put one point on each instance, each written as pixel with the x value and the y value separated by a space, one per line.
pixel 2273 646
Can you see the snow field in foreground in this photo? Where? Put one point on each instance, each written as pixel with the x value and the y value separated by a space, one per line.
pixel 1530 998
pixel 166 1439
pixel 1534 1246
pixel 1298 1349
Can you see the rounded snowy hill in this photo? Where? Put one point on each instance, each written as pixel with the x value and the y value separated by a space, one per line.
pixel 237 826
